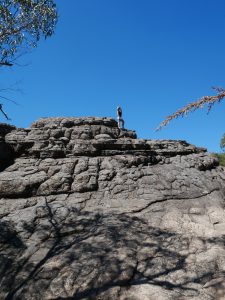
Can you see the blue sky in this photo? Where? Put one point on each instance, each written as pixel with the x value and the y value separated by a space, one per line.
pixel 150 57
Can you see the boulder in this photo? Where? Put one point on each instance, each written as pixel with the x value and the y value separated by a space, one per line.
pixel 88 211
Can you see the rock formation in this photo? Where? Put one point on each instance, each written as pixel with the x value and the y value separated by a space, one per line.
pixel 89 211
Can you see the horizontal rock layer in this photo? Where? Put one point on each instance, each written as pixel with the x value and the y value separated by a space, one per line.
pixel 88 211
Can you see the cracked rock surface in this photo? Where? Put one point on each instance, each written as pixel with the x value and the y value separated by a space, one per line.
pixel 88 211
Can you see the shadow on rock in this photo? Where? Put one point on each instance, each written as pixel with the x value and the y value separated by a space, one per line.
pixel 6 156
pixel 90 256
pixel 11 249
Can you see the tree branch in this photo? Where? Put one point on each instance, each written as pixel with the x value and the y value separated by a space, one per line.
pixel 5 63
pixel 208 101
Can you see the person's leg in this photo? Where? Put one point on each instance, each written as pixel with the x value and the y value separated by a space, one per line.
pixel 118 122
pixel 122 121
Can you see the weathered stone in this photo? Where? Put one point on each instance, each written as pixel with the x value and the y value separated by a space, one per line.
pixel 90 212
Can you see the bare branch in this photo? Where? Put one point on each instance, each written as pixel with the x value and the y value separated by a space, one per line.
pixel 12 88
pixel 5 98
pixel 208 101
pixel 5 63
pixel 2 111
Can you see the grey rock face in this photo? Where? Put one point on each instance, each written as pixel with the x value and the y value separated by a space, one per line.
pixel 89 211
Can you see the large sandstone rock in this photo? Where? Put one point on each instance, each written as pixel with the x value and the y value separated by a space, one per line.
pixel 90 212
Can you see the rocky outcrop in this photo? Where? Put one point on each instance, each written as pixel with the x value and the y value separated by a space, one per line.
pixel 89 211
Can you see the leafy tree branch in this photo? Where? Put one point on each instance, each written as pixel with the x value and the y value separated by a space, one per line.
pixel 22 24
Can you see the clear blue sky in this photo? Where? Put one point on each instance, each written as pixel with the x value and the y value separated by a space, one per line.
pixel 150 57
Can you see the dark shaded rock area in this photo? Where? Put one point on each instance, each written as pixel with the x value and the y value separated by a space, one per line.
pixel 88 211
pixel 6 152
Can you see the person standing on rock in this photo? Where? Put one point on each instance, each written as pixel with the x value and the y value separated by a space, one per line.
pixel 119 117
pixel 4 112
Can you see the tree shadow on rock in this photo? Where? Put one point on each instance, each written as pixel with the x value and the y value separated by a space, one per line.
pixel 85 255
pixel 11 249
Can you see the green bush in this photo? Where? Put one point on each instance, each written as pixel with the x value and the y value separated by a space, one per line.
pixel 222 142
pixel 221 158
